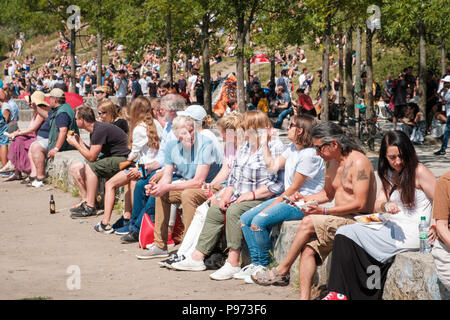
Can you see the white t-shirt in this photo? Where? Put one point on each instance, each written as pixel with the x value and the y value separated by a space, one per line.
pixel 144 85
pixel 139 149
pixel 309 164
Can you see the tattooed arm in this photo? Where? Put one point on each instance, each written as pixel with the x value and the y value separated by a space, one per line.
pixel 363 184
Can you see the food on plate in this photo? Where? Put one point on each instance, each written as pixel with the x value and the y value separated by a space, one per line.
pixel 375 218
pixel 364 219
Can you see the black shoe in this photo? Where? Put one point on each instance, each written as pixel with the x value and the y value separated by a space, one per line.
pixel 131 237
pixel 172 259
pixel 86 212
pixel 78 209
pixel 440 152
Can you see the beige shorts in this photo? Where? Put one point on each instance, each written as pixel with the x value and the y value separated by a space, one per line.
pixel 441 255
pixel 325 227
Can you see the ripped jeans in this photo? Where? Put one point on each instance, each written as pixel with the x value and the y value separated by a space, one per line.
pixel 258 241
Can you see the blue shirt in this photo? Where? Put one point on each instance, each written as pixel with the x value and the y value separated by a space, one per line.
pixel 62 120
pixel 186 161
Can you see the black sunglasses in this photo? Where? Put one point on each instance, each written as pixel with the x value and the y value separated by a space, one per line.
pixel 100 113
pixel 319 148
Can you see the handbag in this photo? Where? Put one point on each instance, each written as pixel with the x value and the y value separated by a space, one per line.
pixel 146 233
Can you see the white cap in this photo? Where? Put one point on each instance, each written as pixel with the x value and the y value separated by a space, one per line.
pixel 446 78
pixel 195 111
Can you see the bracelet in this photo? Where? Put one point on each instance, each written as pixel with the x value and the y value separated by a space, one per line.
pixel 56 148
pixel 383 206
pixel 254 197
pixel 325 210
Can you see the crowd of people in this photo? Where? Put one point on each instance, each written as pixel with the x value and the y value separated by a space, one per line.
pixel 163 152
pixel 235 187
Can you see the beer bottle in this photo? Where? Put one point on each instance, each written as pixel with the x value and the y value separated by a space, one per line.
pixel 52 205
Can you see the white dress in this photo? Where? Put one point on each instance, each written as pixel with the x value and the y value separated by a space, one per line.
pixel 400 233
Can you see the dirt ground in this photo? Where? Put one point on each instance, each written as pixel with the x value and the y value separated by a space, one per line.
pixel 41 254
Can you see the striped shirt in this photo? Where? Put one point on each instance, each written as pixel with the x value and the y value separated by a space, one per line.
pixel 249 172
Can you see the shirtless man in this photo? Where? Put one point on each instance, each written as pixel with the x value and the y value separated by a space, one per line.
pixel 350 181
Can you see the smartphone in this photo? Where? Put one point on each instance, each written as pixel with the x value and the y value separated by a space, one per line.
pixel 285 197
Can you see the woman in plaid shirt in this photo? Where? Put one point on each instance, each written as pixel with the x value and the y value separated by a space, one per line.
pixel 249 184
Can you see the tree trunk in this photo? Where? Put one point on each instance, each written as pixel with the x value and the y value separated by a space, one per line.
pixel 341 70
pixel 272 70
pixel 422 69
pixel 350 106
pixel 369 85
pixel 443 57
pixel 169 48
pixel 325 75
pixel 99 58
pixel 207 93
pixel 73 67
pixel 240 37
pixel 358 66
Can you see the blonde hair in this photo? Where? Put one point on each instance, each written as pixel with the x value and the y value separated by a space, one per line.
pixel 255 120
pixel 232 121
pixel 208 122
pixel 141 111
pixel 111 111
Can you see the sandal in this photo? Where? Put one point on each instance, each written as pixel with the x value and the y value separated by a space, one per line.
pixel 14 177
pixel 265 279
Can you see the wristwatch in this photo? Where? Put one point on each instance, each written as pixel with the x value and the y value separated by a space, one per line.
pixel 56 148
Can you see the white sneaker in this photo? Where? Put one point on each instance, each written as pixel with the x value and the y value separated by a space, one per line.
pixel 37 183
pixel 248 279
pixel 189 264
pixel 7 168
pixel 225 273
pixel 246 271
pixel 153 252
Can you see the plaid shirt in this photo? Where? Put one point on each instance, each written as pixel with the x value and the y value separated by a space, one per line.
pixel 249 172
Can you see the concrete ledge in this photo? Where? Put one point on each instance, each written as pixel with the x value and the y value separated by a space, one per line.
pixel 412 276
pixel 58 169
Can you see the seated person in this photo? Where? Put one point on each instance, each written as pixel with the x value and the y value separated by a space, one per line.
pixel 304 103
pixel 227 127
pixel 413 123
pixel 144 143
pixel 106 138
pixel 350 182
pixel 280 107
pixel 438 120
pixel 10 115
pixel 248 185
pixel 407 195
pixel 22 140
pixel 441 213
pixel 304 172
pixel 197 160
pixel 142 203
pixel 51 136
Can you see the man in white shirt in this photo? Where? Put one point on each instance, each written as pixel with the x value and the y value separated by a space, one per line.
pixel 144 84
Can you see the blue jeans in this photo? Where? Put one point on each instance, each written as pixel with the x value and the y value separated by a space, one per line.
pixel 141 204
pixel 258 241
pixel 446 135
pixel 281 117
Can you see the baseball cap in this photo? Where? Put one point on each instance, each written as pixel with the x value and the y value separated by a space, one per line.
pixel 38 97
pixel 195 111
pixel 55 93
pixel 447 78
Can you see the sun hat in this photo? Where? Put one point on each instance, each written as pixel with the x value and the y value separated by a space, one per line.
pixel 38 97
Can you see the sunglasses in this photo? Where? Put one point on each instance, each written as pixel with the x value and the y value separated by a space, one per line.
pixel 100 113
pixel 292 125
pixel 319 148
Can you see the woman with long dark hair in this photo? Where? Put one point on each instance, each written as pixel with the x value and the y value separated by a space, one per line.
pixel 405 196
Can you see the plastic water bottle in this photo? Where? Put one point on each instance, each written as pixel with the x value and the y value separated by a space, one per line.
pixel 423 235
